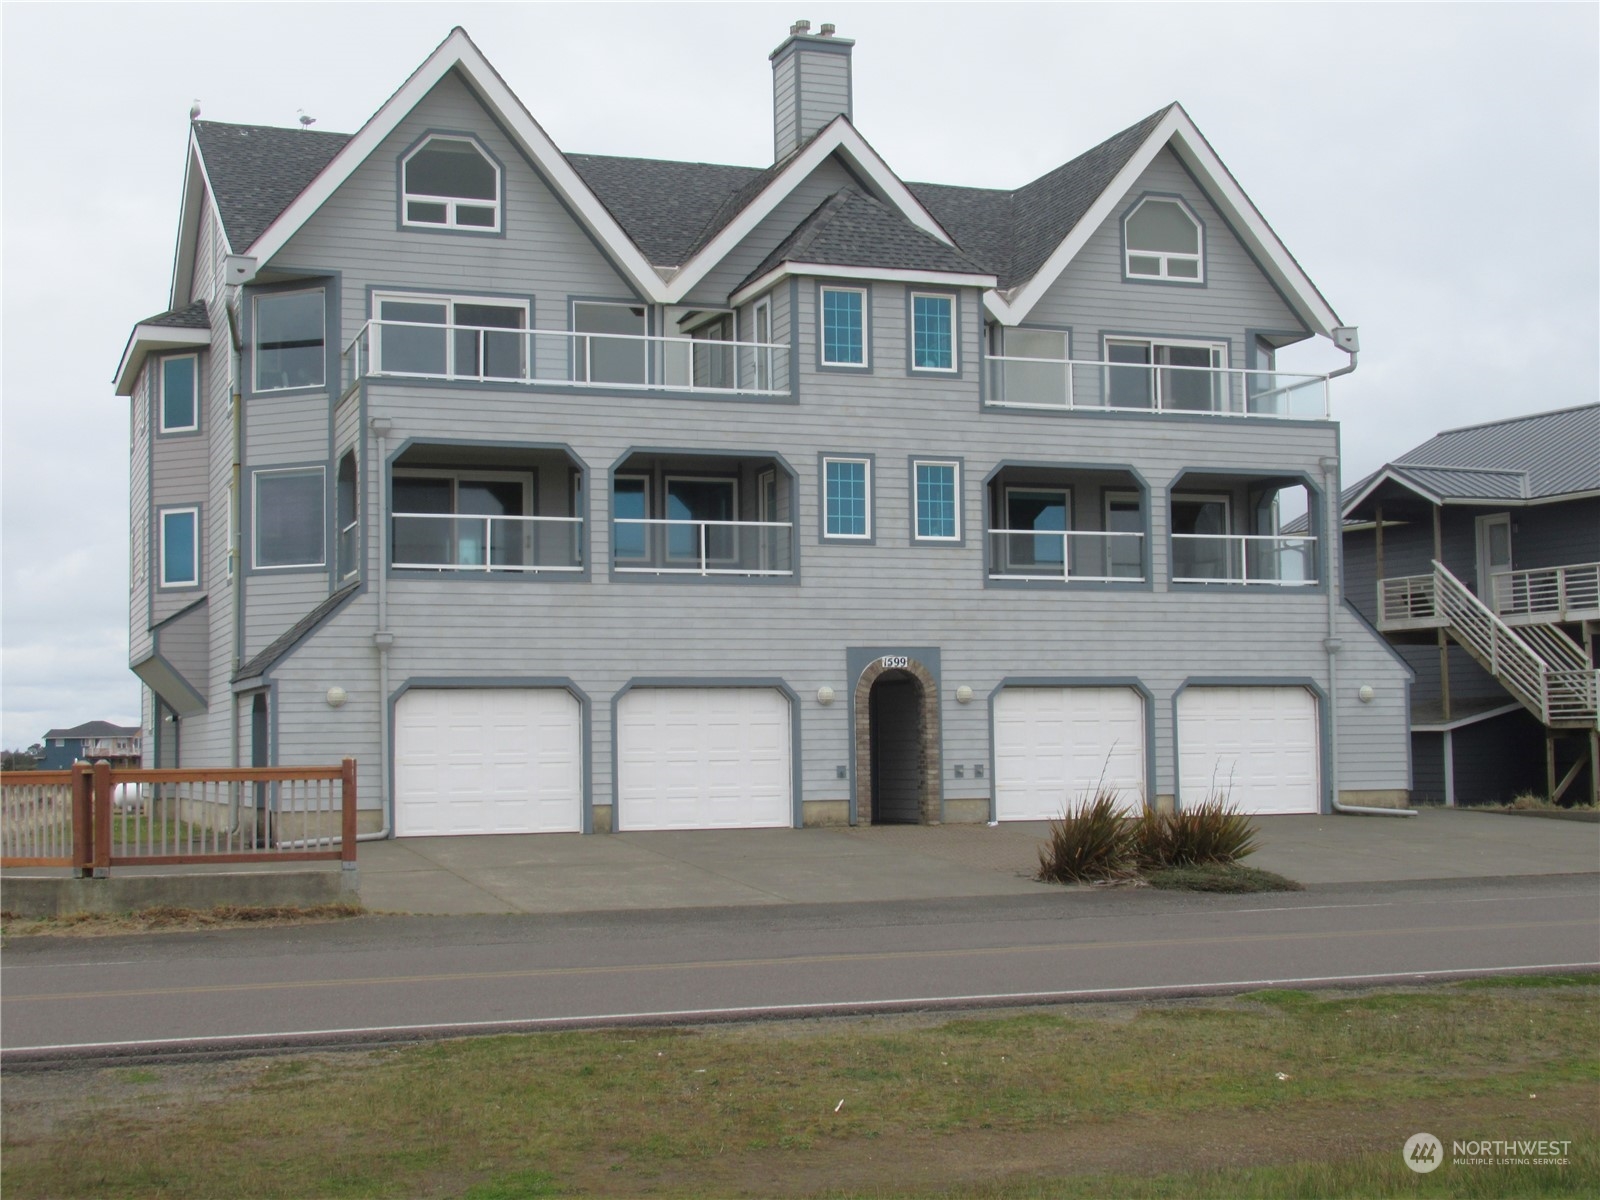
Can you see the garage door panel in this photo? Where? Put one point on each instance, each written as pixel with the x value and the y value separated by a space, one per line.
pixel 703 758
pixel 1054 745
pixel 1259 745
pixel 487 760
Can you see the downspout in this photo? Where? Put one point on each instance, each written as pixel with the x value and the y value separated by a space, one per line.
pixel 1345 338
pixel 381 637
pixel 230 301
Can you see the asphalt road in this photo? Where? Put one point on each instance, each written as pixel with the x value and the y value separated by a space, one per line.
pixel 394 978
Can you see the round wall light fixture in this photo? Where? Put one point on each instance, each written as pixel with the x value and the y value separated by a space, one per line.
pixel 824 696
pixel 1366 693
pixel 337 696
pixel 963 694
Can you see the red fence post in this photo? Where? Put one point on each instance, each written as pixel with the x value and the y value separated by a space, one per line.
pixel 347 797
pixel 82 819
pixel 102 819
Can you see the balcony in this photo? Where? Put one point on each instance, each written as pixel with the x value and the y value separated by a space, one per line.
pixel 446 542
pixel 702 515
pixel 1228 529
pixel 1066 526
pixel 1244 559
pixel 1548 594
pixel 386 349
pixel 1075 385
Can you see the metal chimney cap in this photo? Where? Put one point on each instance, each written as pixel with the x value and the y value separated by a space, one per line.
pixel 800 27
pixel 826 31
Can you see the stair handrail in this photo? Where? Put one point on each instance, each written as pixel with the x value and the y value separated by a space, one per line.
pixel 1510 659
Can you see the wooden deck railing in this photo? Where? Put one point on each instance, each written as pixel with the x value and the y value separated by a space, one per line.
pixel 97 817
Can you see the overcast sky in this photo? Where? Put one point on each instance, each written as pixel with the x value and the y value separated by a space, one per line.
pixel 1433 168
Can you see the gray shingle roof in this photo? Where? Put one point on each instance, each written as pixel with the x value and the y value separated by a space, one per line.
pixel 94 729
pixel 1520 458
pixel 665 207
pixel 851 229
pixel 256 171
pixel 290 637
pixel 191 316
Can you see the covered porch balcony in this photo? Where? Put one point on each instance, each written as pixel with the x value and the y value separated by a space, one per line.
pixel 482 510
pixel 1241 530
pixel 708 515
pixel 1067 526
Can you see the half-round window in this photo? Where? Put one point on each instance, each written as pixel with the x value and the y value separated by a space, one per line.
pixel 1163 241
pixel 450 183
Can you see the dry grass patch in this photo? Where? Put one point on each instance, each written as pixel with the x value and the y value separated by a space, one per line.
pixel 165 918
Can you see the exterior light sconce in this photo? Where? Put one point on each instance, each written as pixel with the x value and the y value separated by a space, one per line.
pixel 824 696
pixel 1365 693
pixel 337 696
pixel 963 694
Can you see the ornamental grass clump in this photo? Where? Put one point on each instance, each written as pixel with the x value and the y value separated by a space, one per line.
pixel 1092 842
pixel 1212 832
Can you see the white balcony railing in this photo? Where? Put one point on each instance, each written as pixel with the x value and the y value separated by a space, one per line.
pixel 1570 593
pixel 1075 384
pixel 557 357
pixel 1251 559
pixel 1069 556
pixel 452 542
pixel 659 546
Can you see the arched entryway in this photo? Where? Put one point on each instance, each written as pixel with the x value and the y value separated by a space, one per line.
pixel 897 744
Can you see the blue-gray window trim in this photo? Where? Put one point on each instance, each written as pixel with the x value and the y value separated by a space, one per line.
pixel 332 368
pixel 374 290
pixel 247 525
pixel 871 539
pixel 402 226
pixel 1324 727
pixel 159 555
pixel 868 341
pixel 159 408
pixel 1140 485
pixel 1205 242
pixel 1315 509
pixel 960 464
pixel 958 367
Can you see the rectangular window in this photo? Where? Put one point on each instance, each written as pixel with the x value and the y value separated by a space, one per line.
pixel 450 338
pixel 1125 517
pixel 933 346
pixel 700 511
pixel 763 334
pixel 463 519
pixel 179 405
pixel 630 503
pixel 289 340
pixel 616 353
pixel 847 497
pixel 288 518
pixel 180 547
pixel 938 492
pixel 1200 543
pixel 1167 376
pixel 1039 519
pixel 844 328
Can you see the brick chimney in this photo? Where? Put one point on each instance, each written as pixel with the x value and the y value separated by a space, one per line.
pixel 810 85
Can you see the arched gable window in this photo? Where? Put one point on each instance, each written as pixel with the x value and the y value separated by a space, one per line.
pixel 450 183
pixel 1163 240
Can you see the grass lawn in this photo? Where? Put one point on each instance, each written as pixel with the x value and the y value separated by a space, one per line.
pixel 1275 1094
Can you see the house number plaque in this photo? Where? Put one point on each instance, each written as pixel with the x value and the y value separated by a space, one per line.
pixel 891 662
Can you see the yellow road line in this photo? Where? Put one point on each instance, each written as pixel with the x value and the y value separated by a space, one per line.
pixel 799 960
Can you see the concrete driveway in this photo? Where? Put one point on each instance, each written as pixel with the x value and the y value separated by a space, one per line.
pixel 556 873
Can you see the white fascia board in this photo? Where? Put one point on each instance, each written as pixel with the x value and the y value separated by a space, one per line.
pixel 1221 188
pixel 866 274
pixel 197 198
pixel 1387 475
pixel 150 339
pixel 457 51
pixel 838 137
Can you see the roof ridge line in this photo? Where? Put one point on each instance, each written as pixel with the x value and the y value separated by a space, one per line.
pixel 1458 467
pixel 1554 412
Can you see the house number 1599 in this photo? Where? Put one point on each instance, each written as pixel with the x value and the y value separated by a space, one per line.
pixel 892 662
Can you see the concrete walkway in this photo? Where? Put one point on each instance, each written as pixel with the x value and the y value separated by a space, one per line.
pixel 554 873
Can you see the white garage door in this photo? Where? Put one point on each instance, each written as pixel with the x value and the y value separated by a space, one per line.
pixel 1258 744
pixel 487 760
pixel 1053 746
pixel 703 758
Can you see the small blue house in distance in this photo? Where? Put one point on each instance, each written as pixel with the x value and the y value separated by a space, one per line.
pixel 93 740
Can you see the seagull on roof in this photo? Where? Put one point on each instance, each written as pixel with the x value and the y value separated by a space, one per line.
pixel 194 110
pixel 305 121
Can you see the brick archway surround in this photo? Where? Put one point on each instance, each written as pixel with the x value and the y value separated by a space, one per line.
pixel 930 784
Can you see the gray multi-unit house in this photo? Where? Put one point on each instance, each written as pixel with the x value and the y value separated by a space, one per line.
pixel 1478 554
pixel 571 492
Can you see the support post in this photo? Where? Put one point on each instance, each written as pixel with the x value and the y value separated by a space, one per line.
pixel 347 799
pixel 101 802
pixel 1550 765
pixel 1448 740
pixel 1444 640
pixel 1378 538
pixel 82 819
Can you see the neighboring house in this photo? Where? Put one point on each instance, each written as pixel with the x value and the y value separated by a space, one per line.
pixel 578 492
pixel 1486 541
pixel 93 740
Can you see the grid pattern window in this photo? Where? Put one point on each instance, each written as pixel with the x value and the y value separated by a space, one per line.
pixel 844 327
pixel 450 183
pixel 847 497
pixel 938 491
pixel 180 407
pixel 1164 241
pixel 289 518
pixel 447 337
pixel 290 339
pixel 180 547
pixel 933 346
